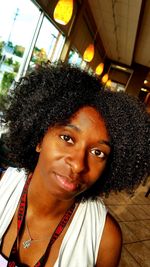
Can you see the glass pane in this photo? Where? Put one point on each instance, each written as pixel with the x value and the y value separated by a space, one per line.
pixel 84 65
pixel 117 87
pixel 48 45
pixel 18 19
pixel 74 58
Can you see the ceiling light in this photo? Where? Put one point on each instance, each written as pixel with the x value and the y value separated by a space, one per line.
pixel 63 11
pixel 89 53
pixel 105 78
pixel 108 83
pixel 143 89
pixel 99 69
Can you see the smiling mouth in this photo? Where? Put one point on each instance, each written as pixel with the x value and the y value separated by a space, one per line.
pixel 67 184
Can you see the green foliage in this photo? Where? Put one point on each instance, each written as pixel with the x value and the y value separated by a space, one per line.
pixel 9 61
pixel 1 45
pixel 19 50
pixel 39 56
pixel 6 82
pixel 16 66
pixel 3 102
pixel 1 48
pixel 10 45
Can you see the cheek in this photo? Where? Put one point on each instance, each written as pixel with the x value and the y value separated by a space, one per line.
pixel 96 169
pixel 49 157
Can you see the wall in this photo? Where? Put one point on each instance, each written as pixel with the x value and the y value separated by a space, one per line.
pixel 136 82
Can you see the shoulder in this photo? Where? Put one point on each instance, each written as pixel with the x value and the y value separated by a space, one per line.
pixel 111 242
pixel 96 212
pixel 11 179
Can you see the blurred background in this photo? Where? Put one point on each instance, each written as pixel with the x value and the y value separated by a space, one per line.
pixel 110 39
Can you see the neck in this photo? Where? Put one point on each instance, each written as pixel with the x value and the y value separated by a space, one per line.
pixel 41 203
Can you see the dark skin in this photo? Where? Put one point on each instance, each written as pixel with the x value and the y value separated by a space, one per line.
pixel 71 159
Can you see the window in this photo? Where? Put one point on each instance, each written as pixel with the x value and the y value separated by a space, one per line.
pixel 74 58
pixel 117 87
pixel 48 45
pixel 18 21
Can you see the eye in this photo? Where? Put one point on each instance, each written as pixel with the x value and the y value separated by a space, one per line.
pixel 98 153
pixel 66 138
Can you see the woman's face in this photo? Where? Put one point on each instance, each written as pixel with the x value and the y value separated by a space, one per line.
pixel 72 157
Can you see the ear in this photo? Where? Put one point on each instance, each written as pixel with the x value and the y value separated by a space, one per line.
pixel 38 148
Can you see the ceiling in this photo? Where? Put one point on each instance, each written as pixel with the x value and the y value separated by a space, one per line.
pixel 124 28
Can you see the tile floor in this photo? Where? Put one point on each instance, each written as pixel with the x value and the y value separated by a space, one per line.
pixel 133 215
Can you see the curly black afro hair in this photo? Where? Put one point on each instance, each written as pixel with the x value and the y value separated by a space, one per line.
pixel 51 94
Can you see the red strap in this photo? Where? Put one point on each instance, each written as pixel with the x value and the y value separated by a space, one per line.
pixel 12 261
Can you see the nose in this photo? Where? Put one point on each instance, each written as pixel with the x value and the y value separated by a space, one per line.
pixel 77 161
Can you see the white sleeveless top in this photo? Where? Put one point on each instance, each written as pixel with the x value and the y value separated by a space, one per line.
pixel 81 242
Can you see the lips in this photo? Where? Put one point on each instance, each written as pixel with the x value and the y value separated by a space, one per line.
pixel 66 183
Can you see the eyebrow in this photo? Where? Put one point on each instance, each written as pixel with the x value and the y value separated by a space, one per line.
pixel 108 143
pixel 73 127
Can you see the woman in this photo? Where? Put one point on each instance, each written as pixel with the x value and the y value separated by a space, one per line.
pixel 71 141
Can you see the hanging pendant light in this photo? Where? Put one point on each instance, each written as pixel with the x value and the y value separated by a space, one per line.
pixel 108 83
pixel 89 53
pixel 105 78
pixel 99 69
pixel 63 11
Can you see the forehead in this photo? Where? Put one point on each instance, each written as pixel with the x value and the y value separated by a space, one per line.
pixel 89 119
